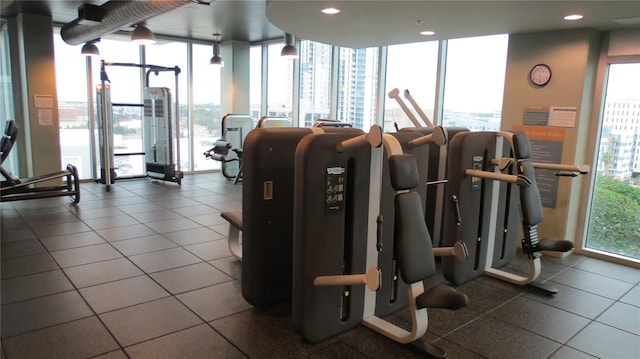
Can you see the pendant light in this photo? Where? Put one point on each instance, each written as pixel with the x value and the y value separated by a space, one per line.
pixel 216 59
pixel 289 50
pixel 141 35
pixel 90 49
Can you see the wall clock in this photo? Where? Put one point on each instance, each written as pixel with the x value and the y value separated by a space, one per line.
pixel 540 75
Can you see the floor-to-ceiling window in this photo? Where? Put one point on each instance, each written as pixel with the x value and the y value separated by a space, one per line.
pixel 357 86
pixel 75 136
pixel 279 83
pixel 472 97
pixel 614 218
pixel 255 81
pixel 315 82
pixel 172 54
pixel 126 84
pixel 412 68
pixel 207 127
pixel 474 85
pixel 6 98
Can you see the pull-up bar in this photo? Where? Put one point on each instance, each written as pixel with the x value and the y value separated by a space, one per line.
pixel 150 68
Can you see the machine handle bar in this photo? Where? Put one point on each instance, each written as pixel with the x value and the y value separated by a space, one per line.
pixel 372 279
pixel 374 138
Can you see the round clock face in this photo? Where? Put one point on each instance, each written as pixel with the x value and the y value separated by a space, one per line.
pixel 540 74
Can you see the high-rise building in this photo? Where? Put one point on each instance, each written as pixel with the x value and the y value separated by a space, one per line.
pixel 315 82
pixel 357 86
pixel 621 139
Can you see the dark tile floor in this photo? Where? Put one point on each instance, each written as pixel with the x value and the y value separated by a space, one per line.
pixel 144 271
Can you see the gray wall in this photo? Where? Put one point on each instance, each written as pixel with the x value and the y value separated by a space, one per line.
pixel 35 94
pixel 235 93
pixel 573 58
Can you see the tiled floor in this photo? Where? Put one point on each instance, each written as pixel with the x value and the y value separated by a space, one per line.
pixel 144 271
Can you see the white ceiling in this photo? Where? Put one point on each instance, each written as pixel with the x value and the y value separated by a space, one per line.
pixel 362 23
pixel 374 23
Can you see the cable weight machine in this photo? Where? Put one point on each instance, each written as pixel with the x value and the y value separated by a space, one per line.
pixel 158 127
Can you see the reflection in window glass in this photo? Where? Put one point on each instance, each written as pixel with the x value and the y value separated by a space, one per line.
pixel 411 67
pixel 279 83
pixel 315 82
pixel 357 86
pixel 475 82
pixel 71 87
pixel 207 125
pixel 170 55
pixel 255 84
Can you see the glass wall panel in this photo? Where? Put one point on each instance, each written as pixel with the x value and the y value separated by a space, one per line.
pixel 255 84
pixel 207 118
pixel 315 82
pixel 125 86
pixel 73 106
pixel 279 83
pixel 614 220
pixel 357 86
pixel 6 97
pixel 411 67
pixel 474 82
pixel 171 54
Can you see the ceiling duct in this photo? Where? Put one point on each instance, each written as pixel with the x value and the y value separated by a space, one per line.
pixel 116 15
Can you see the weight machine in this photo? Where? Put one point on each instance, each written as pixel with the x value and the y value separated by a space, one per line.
pixel 16 189
pixel 337 270
pixel 158 128
pixel 492 189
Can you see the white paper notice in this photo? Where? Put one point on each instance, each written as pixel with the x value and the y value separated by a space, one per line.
pixel 45 117
pixel 562 116
pixel 43 101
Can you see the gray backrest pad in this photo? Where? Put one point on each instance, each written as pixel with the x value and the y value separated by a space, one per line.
pixel 393 293
pixel 521 145
pixel 530 196
pixel 412 239
pixel 404 172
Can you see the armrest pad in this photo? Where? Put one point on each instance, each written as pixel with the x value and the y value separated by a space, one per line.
pixel 233 217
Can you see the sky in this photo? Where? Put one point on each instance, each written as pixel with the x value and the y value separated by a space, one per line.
pixel 623 82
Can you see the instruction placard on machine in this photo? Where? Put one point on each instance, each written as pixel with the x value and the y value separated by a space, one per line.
pixel 476 182
pixel 334 192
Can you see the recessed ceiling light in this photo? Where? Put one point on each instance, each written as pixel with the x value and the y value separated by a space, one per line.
pixel 427 33
pixel 573 17
pixel 330 11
